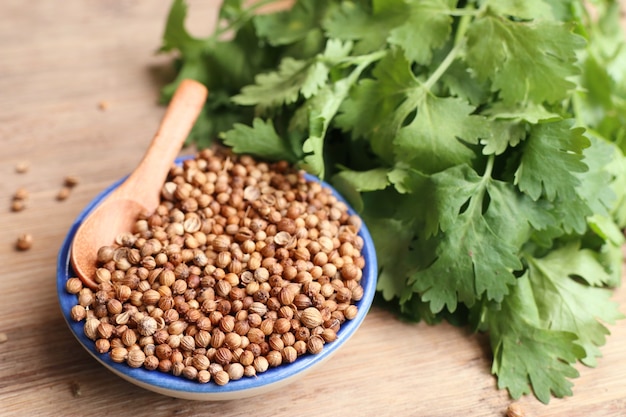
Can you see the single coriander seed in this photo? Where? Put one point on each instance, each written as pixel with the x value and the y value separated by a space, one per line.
pixel 22 167
pixel 78 312
pixel 70 181
pixel 18 205
pixel 221 378
pixel 21 194
pixel 73 285
pixel 311 317
pixel 515 410
pixel 24 242
pixel 63 193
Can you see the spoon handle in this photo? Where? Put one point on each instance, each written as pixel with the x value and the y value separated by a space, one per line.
pixel 179 118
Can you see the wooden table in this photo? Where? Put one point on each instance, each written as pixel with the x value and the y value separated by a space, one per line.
pixel 79 83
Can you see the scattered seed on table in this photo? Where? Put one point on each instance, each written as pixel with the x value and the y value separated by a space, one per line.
pixel 515 410
pixel 70 181
pixel 22 167
pixel 18 205
pixel 63 193
pixel 24 242
pixel 3 337
pixel 20 194
pixel 75 388
pixel 19 199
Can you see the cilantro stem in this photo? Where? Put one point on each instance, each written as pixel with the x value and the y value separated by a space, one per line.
pixel 243 18
pixel 469 11
pixel 443 67
pixel 489 166
pixel 459 43
pixel 365 59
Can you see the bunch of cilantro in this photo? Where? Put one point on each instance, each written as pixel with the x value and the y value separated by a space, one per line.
pixel 482 141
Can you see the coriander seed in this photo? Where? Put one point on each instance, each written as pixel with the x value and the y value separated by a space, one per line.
pixel 90 328
pixel 230 275
pixel 204 376
pixel 274 358
pixel 315 344
pixel 63 193
pixel 78 312
pixel 311 317
pixel 118 354
pixel 515 410
pixel 18 205
pixel 70 181
pixel 135 358
pixel 21 194
pixel 73 285
pixel 235 371
pixel 24 242
pixel 260 364
pixel 221 378
pixel 102 345
pixel 22 167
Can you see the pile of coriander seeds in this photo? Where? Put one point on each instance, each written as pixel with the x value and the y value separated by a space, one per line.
pixel 244 266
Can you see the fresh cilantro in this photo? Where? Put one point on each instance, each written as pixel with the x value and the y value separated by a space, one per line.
pixel 482 141
pixel 261 137
pixel 552 277
pixel 282 86
pixel 525 353
pixel 539 56
pixel 427 27
pixel 551 157
pixel 287 28
pixel 431 142
pixel 471 260
pixel 366 24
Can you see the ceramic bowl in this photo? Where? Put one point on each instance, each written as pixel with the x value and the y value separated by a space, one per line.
pixel 178 386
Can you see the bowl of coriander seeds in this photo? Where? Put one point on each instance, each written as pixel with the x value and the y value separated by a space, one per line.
pixel 248 275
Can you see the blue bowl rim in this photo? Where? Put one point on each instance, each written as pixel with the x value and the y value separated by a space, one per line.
pixel 175 384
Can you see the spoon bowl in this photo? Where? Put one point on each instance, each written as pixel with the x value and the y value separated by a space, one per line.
pixel 139 193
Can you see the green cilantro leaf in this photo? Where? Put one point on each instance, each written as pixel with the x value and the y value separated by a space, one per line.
pixel 552 156
pixel 428 27
pixel 526 61
pixel 580 306
pixel 592 190
pixel 528 9
pixel 175 35
pixel 471 260
pixel 290 25
pixel 294 77
pixel 355 21
pixel 525 353
pixel 508 125
pixel 279 87
pixel 370 109
pixel 261 140
pixel 447 193
pixel 431 142
pixel 461 83
pixel 374 179
pixel 617 168
pixel 514 216
pixel 393 238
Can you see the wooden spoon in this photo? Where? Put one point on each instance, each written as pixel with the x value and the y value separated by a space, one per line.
pixel 140 192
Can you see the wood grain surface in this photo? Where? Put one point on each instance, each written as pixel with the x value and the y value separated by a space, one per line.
pixel 79 83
